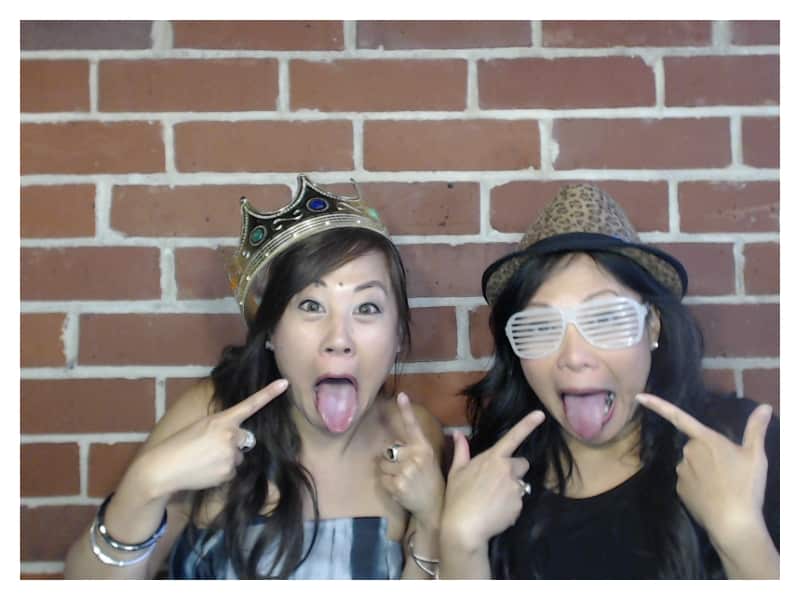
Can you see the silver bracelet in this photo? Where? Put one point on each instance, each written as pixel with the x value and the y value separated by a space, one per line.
pixel 100 523
pixel 108 560
pixel 421 561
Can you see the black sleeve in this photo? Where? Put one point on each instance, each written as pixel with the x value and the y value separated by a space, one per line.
pixel 728 415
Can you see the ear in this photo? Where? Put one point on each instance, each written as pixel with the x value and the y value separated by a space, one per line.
pixel 653 324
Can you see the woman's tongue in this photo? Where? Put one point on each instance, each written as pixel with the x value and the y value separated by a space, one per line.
pixel 337 402
pixel 586 413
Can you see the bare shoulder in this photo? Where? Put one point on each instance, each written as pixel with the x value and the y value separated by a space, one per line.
pixel 194 404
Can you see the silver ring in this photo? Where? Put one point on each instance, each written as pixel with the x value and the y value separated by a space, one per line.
pixel 524 488
pixel 249 441
pixel 392 453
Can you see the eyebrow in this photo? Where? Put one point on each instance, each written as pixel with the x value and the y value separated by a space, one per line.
pixel 586 298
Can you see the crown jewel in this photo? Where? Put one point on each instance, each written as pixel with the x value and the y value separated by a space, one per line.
pixel 265 235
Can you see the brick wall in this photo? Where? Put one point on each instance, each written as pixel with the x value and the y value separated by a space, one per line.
pixel 138 138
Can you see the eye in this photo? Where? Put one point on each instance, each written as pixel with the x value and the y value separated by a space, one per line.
pixel 368 308
pixel 311 306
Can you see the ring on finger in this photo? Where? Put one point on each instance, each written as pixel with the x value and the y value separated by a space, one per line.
pixel 392 453
pixel 249 441
pixel 524 487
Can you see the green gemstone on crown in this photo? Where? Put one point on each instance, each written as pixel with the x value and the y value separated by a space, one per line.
pixel 257 235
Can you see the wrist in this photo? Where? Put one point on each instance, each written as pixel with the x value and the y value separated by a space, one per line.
pixel 461 539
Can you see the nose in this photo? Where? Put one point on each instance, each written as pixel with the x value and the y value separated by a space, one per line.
pixel 575 353
pixel 338 338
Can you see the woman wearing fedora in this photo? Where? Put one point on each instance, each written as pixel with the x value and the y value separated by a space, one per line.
pixel 596 450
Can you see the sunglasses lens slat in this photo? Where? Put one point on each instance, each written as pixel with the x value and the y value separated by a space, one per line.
pixel 604 323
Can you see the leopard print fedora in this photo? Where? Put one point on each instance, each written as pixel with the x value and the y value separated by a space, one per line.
pixel 584 217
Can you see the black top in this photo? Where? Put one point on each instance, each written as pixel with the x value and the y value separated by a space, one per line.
pixel 605 536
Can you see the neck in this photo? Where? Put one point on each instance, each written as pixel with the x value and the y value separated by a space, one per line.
pixel 320 445
pixel 597 469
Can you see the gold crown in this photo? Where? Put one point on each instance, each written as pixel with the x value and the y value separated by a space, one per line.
pixel 265 235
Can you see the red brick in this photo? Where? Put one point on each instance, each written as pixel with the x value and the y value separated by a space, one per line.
pixel 241 146
pixel 710 267
pixel 739 329
pixel 762 268
pixel 375 85
pixel 402 35
pixel 47 532
pixel 107 464
pixel 761 142
pixel 440 393
pixel 642 143
pixel 176 386
pixel 54 86
pixel 480 144
pixel 188 85
pixel 763 385
pixel 106 273
pixel 565 82
pixel 85 35
pixel 57 211
pixel 728 206
pixel 50 470
pixel 481 342
pixel 90 147
pixel 259 35
pixel 189 210
pixel 606 34
pixel 726 80
pixel 516 205
pixel 87 405
pixel 721 380
pixel 422 207
pixel 201 273
pixel 157 339
pixel 40 340
pixel 750 33
pixel 445 270
pixel 433 334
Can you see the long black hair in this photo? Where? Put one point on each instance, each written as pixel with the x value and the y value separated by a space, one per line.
pixel 502 397
pixel 243 370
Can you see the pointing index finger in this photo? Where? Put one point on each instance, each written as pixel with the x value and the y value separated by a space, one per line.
pixel 507 444
pixel 410 422
pixel 252 404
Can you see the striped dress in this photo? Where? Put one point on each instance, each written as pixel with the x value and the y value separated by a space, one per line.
pixel 345 548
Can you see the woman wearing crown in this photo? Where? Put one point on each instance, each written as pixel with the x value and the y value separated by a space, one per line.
pixel 292 460
pixel 597 452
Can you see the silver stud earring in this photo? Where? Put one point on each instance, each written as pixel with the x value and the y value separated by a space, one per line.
pixel 268 345
pixel 654 345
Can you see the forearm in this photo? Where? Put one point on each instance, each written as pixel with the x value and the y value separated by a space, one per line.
pixel 133 514
pixel 422 541
pixel 751 554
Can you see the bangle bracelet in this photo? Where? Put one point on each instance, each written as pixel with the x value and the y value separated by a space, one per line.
pixel 100 525
pixel 428 565
pixel 106 559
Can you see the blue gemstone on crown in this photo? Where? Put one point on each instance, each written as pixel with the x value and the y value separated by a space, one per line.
pixel 317 204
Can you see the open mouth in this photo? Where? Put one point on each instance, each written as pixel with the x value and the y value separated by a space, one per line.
pixel 336 400
pixel 588 411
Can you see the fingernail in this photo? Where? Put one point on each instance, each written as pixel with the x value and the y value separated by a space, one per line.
pixel 282 384
pixel 641 399
pixel 402 398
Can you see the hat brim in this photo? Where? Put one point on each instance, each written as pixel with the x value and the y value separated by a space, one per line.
pixel 663 267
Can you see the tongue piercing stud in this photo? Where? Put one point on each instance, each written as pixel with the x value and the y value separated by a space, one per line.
pixel 392 453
